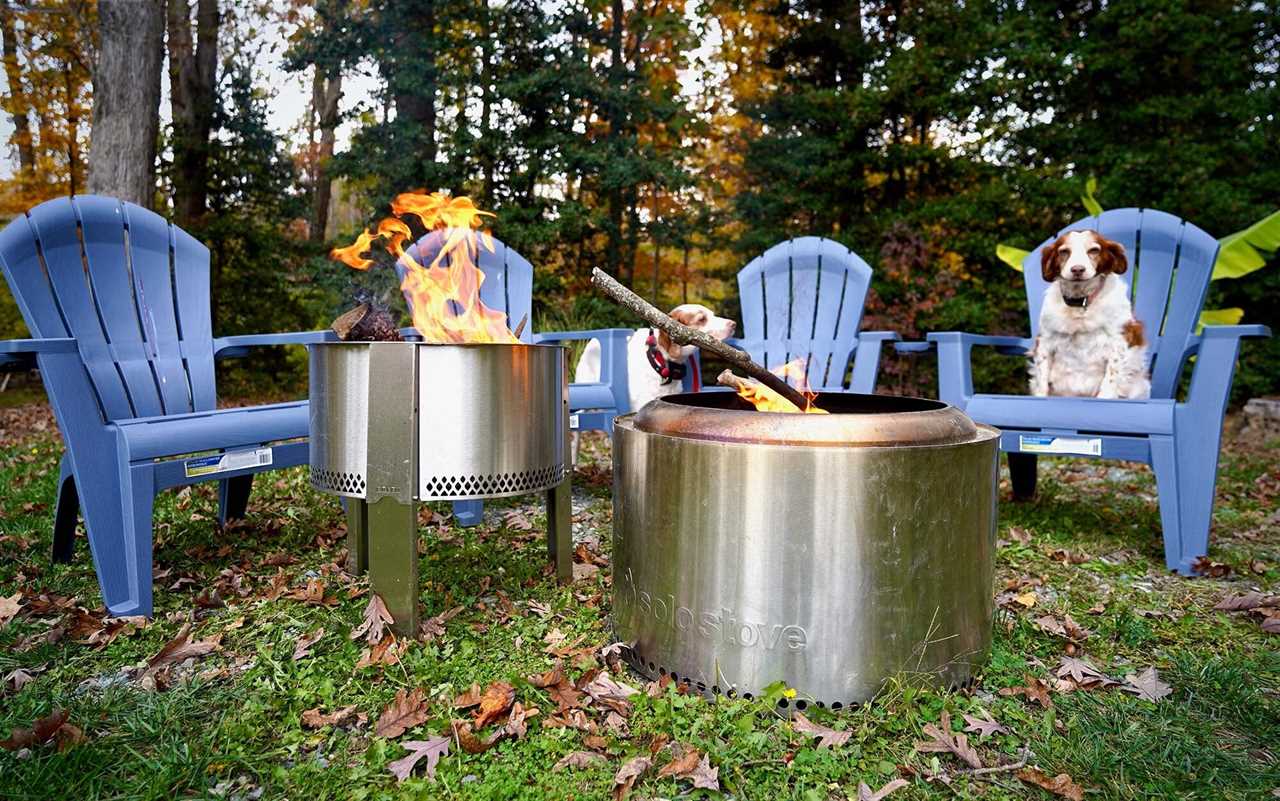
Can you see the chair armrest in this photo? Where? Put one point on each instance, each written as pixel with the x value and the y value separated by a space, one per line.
pixel 1007 345
pixel 882 336
pixel 1238 331
pixel 32 347
pixel 914 346
pixel 599 333
pixel 1218 347
pixel 237 346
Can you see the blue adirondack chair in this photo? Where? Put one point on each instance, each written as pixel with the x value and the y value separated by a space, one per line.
pixel 117 302
pixel 508 286
pixel 1171 263
pixel 803 298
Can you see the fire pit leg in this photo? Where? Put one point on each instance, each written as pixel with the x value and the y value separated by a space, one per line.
pixel 560 529
pixel 357 536
pixel 393 561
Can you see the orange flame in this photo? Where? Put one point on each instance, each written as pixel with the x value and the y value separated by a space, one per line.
pixel 443 295
pixel 766 400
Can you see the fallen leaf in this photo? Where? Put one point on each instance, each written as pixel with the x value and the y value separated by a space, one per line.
pixel 628 774
pixel 617 724
pixel 565 695
pixel 1050 625
pixel 1271 625
pixel 315 719
pixel 19 678
pixel 495 702
pixel 467 699
pixel 517 521
pixel 303 648
pixel 865 794
pixel 9 607
pixel 826 737
pixel 1246 602
pixel 604 690
pixel 1205 566
pixel 409 709
pixel 41 732
pixel 376 619
pixel 538 608
pixel 1082 673
pixel 1019 535
pixel 180 648
pixel 584 570
pixel 432 749
pixel 433 627
pixel 1146 685
pixel 1035 690
pixel 542 680
pixel 704 776
pixel 945 741
pixel 580 759
pixel 984 726
pixel 1027 599
pixel 683 764
pixel 472 744
pixel 386 652
pixel 1062 784
pixel 516 724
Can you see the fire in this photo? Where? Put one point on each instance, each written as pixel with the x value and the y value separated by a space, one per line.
pixel 444 295
pixel 766 400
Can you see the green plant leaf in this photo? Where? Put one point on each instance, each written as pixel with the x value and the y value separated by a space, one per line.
pixel 1091 203
pixel 1219 317
pixel 1245 251
pixel 1012 256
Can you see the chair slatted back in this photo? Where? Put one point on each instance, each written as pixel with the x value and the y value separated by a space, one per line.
pixel 132 290
pixel 508 278
pixel 804 297
pixel 1170 264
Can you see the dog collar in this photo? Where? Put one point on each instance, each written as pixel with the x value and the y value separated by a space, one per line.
pixel 669 370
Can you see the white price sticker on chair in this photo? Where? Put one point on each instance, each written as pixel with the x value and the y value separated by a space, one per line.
pixel 573 422
pixel 226 462
pixel 1047 443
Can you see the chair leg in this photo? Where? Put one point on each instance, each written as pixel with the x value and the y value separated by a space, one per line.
pixel 1185 482
pixel 65 515
pixel 468 513
pixel 117 513
pixel 1022 474
pixel 233 498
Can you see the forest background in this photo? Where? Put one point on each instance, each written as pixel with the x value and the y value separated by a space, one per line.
pixel 667 141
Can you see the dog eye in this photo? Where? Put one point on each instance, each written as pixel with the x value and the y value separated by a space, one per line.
pixel 1064 251
pixel 1095 249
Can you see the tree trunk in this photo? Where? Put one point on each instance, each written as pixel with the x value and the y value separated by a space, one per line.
pixel 614 245
pixel 193 73
pixel 16 103
pixel 414 81
pixel 325 94
pixel 126 100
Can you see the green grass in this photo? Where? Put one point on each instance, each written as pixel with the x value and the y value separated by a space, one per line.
pixel 229 726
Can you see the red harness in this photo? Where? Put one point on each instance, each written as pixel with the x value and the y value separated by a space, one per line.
pixel 669 370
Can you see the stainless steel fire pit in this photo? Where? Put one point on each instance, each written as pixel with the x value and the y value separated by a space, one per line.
pixel 830 552
pixel 393 423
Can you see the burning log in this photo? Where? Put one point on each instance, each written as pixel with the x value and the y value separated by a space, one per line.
pixel 367 323
pixel 689 336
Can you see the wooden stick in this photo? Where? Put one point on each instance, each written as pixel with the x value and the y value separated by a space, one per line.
pixel 691 336
pixel 520 326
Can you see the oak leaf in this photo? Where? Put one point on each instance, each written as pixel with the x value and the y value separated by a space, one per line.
pixel 542 680
pixel 826 737
pixel 865 793
pixel 984 726
pixel 374 624
pixel 1035 690
pixel 1062 784
pixel 1146 685
pixel 315 719
pixel 10 606
pixel 42 731
pixel 407 710
pixel 628 774
pixel 495 702
pixel 1246 602
pixel 180 648
pixel 682 765
pixel 433 627
pixel 580 759
pixel 945 741
pixel 431 749
pixel 472 744
pixel 1082 673
pixel 303 647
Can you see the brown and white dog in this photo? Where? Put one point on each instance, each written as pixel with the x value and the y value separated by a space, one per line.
pixel 645 361
pixel 1089 345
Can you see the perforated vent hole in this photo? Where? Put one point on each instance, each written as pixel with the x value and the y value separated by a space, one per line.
pixel 686 683
pixel 335 481
pixel 439 487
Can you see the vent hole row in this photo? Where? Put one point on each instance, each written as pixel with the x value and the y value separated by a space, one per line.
pixel 335 481
pixel 439 487
pixel 731 692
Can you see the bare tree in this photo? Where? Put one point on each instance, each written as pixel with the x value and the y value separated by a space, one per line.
pixel 126 100
pixel 326 91
pixel 193 75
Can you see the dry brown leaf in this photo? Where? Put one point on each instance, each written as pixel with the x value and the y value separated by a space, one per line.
pixel 1271 625
pixel 375 622
pixel 433 627
pixel 1146 685
pixel 495 702
pixel 1205 566
pixel 1246 602
pixel 1062 784
pixel 432 749
pixel 387 652
pixel 9 607
pixel 826 737
pixel 607 692
pixel 1019 535
pixel 516 724
pixel 945 741
pixel 468 699
pixel 865 793
pixel 1035 690
pixel 628 774
pixel 1082 673
pixel 315 719
pixel 553 676
pixel 466 736
pixel 580 759
pixel 409 709
pixel 984 726
pixel 682 765
pixel 303 647
pixel 42 731
pixel 181 648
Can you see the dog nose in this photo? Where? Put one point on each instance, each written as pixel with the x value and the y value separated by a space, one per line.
pixel 1077 272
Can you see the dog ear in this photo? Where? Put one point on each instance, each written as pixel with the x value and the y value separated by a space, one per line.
pixel 1049 266
pixel 1113 259
pixel 668 345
